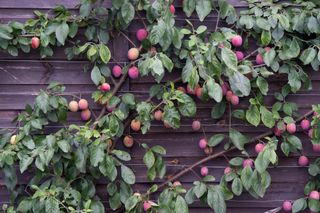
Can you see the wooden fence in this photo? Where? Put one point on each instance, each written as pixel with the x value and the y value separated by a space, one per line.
pixel 21 78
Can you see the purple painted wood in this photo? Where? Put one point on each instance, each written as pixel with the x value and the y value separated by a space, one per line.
pixel 21 79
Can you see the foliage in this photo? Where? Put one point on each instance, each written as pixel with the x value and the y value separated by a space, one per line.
pixel 67 164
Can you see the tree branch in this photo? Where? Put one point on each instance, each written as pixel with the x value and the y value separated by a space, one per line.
pixel 221 153
pixel 116 88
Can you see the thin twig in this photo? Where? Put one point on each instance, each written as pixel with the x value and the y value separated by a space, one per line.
pixel 116 88
pixel 13 76
pixel 128 39
pixel 249 55
pixel 260 65
pixel 140 17
pixel 217 23
pixel 113 80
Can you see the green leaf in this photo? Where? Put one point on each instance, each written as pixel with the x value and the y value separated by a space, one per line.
pixel 131 202
pixel 201 29
pixel 313 25
pixel 25 205
pixel 188 7
pixel 122 155
pixel 263 85
pixel 262 161
pixel 292 51
pixel 218 110
pixel 127 175
pixel 52 205
pixel 12 50
pixel 25 162
pixel 96 154
pixel 97 206
pixel 215 199
pixel 269 56
pixel 80 158
pixel 171 116
pixel 186 105
pixel 5 34
pixel 105 53
pixel 107 167
pixel 215 140
pixel 200 189
pixel 117 3
pixel 277 33
pixel 203 8
pixel 96 76
pixel 247 21
pixel 181 205
pixel 314 205
pixel 299 205
pixel 289 108
pixel 295 141
pixel 42 101
pixel 284 21
pixel 4 139
pixel 240 84
pixel 253 115
pixel 224 8
pixel 229 58
pixel 114 201
pixel 267 117
pixel 127 12
pixel 236 186
pixel 73 29
pixel 62 32
pixel 125 192
pixel 166 61
pixel 263 24
pixel 265 37
pixel 285 147
pixel 157 69
pixel 158 149
pixel 64 145
pixel 308 55
pixel 238 139
pixel 151 174
pixel 214 90
pixel 237 161
pixel 149 159
pixel 128 99
pixel 85 9
pixel 246 179
pixel 36 123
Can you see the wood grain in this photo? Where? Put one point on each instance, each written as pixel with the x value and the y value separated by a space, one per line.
pixel 20 81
